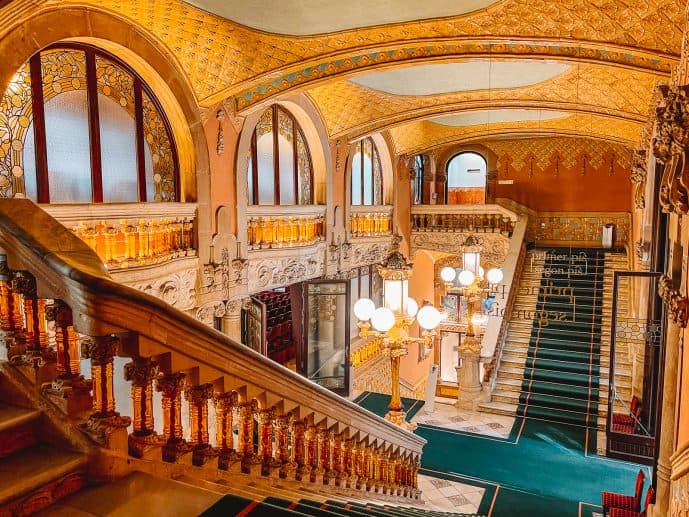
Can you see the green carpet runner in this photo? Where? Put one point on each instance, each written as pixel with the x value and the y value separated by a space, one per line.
pixel 561 374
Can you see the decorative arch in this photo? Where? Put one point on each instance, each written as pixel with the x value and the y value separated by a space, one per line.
pixel 146 55
pixel 380 154
pixel 443 156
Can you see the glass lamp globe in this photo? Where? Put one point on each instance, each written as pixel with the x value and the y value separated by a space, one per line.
pixel 364 308
pixel 428 317
pixel 448 274
pixel 383 319
pixel 412 307
pixel 495 276
pixel 466 278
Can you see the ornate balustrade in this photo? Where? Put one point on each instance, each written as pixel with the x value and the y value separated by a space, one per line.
pixel 462 218
pixel 132 234
pixel 370 221
pixel 58 306
pixel 285 227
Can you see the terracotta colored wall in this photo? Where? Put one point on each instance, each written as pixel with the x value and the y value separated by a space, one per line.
pixel 564 174
pixel 222 166
pixel 464 196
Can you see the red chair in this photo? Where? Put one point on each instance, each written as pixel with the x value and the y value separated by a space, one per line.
pixel 623 501
pixel 628 419
pixel 617 512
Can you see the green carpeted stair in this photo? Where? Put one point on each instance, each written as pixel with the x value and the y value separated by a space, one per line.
pixel 562 366
pixel 240 506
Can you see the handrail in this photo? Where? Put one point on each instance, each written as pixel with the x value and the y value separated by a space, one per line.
pixel 512 276
pixel 462 218
pixel 66 269
pixel 464 209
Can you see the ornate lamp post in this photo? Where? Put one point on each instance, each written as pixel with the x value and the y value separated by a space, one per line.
pixel 472 288
pixel 390 324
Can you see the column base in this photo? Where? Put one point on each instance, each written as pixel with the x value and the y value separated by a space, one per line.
pixel 399 418
pixel 470 398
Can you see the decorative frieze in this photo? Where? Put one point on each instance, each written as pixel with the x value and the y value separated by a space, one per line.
pixel 493 246
pixel 270 271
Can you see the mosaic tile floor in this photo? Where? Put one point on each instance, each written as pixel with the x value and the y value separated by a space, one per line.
pixel 447 416
pixel 450 496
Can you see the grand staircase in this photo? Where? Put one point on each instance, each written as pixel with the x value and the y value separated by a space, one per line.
pixel 556 357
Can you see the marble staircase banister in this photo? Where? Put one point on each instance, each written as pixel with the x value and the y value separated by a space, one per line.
pixel 496 329
pixel 462 218
pixel 126 322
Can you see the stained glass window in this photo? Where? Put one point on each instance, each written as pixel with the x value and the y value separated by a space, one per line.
pixel 79 126
pixel 367 174
pixel 279 170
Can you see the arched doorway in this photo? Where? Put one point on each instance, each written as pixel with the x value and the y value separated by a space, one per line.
pixel 466 179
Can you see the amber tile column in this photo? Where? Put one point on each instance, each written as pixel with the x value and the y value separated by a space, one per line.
pixel 265 440
pixel 172 385
pixel 245 444
pixel 225 405
pixel 298 459
pixel 281 425
pixel 7 321
pixel 198 397
pixel 105 425
pixel 141 372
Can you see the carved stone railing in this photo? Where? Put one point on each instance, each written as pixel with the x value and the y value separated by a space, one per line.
pixel 129 235
pixel 59 306
pixel 270 227
pixel 370 221
pixel 462 218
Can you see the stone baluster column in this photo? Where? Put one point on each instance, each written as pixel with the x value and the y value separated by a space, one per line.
pixel 351 453
pixel 393 473
pixel 225 405
pixel 198 397
pixel 372 462
pixel 281 425
pixel 325 455
pixel 382 478
pixel 141 372
pixel 245 446
pixel 26 311
pixel 105 425
pixel 298 460
pixel 363 470
pixel 7 322
pixel 265 440
pixel 311 451
pixel 172 385
pixel 337 458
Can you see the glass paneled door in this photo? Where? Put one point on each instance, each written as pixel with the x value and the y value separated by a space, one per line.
pixel 325 340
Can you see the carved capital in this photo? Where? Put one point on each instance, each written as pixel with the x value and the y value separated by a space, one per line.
pixel 638 177
pixel 677 305
pixel 141 371
pixel 226 401
pixel 671 123
pixel 171 384
pixel 100 349
pixel 199 394
pixel 24 283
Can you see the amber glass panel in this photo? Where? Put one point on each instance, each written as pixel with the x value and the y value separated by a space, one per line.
pixel 117 132
pixel 160 171
pixel 304 167
pixel 286 158
pixel 15 125
pixel 368 172
pixel 67 126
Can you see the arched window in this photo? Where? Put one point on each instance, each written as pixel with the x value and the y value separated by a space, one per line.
pixel 279 168
pixel 367 175
pixel 466 179
pixel 77 125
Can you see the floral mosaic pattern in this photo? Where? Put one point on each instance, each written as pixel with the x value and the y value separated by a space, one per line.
pixel 15 118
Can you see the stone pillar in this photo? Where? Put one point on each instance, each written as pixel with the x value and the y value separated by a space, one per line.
pixel 141 372
pixel 468 374
pixel 666 446
pixel 172 385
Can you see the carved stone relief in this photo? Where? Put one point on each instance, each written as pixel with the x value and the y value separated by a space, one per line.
pixel 493 246
pixel 267 271
pixel 638 177
pixel 206 313
pixel 174 286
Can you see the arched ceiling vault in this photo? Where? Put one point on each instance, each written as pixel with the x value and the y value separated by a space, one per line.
pixel 615 51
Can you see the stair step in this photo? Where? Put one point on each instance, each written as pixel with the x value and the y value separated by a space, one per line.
pixel 13 416
pixel 498 408
pixel 29 469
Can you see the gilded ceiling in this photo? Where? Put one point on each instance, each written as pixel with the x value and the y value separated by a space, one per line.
pixel 605 58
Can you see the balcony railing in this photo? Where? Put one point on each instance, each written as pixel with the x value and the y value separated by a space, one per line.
pixel 270 227
pixel 370 221
pixel 59 306
pixel 462 218
pixel 130 235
